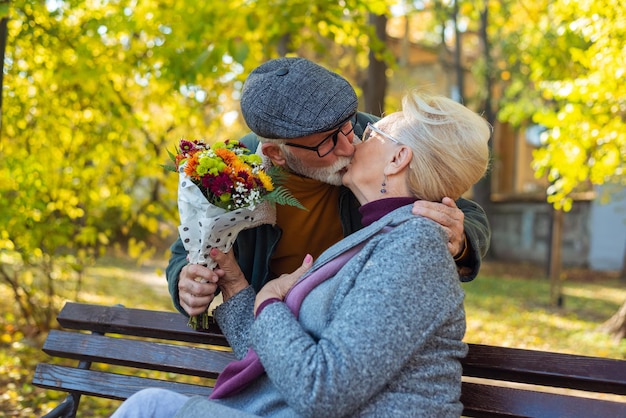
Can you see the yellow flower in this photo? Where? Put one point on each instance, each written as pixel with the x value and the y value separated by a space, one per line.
pixel 266 181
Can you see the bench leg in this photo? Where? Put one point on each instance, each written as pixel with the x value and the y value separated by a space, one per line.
pixel 69 406
pixel 66 409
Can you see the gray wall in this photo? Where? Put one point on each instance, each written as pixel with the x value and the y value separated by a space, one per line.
pixel 521 232
pixel 594 234
pixel 607 225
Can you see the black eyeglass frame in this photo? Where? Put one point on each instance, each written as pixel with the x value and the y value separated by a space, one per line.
pixel 333 135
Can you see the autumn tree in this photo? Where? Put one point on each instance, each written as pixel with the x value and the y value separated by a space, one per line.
pixel 95 94
pixel 566 66
pixel 81 91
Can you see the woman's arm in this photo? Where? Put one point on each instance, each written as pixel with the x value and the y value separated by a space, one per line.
pixel 235 314
pixel 235 318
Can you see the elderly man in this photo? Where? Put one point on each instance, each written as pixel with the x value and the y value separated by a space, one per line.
pixel 306 120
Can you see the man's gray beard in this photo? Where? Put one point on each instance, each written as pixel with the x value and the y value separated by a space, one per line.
pixel 329 175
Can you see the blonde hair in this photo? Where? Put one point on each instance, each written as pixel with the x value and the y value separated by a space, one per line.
pixel 449 143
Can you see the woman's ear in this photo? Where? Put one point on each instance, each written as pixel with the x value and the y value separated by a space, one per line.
pixel 274 153
pixel 400 160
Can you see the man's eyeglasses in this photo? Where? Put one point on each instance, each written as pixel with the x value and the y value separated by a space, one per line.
pixel 368 132
pixel 327 145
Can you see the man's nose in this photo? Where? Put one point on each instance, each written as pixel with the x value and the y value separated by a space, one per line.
pixel 345 144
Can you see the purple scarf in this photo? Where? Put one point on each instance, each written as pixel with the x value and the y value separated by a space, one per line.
pixel 239 374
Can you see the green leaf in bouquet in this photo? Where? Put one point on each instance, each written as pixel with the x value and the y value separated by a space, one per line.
pixel 282 196
pixel 170 167
pixel 277 173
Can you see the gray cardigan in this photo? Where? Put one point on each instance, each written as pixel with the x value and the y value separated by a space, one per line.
pixel 381 338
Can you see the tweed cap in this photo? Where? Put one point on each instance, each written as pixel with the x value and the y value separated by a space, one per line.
pixel 288 98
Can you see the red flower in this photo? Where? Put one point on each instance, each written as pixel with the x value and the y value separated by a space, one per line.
pixel 218 185
pixel 186 146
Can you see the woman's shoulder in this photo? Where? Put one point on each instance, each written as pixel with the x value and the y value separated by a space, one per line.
pixel 404 217
pixel 405 223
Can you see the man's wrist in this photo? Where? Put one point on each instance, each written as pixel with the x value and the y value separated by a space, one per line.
pixel 464 250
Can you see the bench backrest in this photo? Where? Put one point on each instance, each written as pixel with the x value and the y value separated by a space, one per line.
pixel 167 344
pixel 547 373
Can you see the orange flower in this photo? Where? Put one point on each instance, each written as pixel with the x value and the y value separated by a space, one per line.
pixel 190 168
pixel 232 161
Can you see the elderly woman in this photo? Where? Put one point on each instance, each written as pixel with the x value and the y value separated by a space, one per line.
pixel 312 348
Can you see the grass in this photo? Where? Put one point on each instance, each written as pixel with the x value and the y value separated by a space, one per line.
pixel 506 305
pixel 514 310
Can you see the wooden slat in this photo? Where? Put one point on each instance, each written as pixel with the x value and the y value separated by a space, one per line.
pixel 545 368
pixel 105 385
pixel 138 322
pixel 136 353
pixel 482 400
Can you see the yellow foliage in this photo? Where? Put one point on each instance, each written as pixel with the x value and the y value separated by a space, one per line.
pixel 576 56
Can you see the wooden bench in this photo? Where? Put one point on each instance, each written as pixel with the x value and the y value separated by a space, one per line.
pixel 134 339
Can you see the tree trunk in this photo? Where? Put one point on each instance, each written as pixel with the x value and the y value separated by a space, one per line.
pixel 406 43
pixel 375 87
pixel 616 325
pixel 283 45
pixel 482 189
pixel 3 42
pixel 459 94
pixel 554 259
pixel 622 274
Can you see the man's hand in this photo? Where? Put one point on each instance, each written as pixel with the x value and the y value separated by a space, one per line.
pixel 196 288
pixel 279 287
pixel 447 215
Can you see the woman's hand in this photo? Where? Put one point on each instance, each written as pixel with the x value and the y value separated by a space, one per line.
pixel 278 288
pixel 231 279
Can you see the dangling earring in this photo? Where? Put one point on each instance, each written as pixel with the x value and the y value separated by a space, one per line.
pixel 383 190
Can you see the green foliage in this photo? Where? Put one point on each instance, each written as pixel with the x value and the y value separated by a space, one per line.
pixel 566 63
pixel 78 117
pixel 94 97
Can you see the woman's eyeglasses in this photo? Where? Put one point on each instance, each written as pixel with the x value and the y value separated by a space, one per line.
pixel 368 132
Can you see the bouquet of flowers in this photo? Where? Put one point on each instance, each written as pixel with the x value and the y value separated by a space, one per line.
pixel 223 189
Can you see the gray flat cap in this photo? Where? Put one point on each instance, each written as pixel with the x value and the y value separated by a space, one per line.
pixel 289 98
